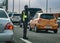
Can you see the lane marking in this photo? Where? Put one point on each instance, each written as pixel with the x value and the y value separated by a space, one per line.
pixel 27 41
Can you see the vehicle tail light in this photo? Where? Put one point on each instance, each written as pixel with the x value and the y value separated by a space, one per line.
pixel 39 20
pixel 9 26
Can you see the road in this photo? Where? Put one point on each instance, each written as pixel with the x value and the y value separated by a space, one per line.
pixel 40 37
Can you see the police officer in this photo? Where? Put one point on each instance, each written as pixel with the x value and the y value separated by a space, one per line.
pixel 24 20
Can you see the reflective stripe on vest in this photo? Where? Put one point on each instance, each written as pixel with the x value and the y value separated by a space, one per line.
pixel 24 16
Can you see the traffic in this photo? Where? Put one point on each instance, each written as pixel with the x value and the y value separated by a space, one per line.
pixel 29 23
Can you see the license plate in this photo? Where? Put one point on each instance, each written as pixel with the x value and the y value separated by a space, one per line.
pixel 48 26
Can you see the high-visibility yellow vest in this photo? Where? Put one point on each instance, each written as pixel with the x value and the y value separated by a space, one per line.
pixel 24 16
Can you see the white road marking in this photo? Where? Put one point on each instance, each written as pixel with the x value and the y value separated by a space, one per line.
pixel 27 41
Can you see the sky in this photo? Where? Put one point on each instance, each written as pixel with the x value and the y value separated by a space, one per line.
pixel 53 4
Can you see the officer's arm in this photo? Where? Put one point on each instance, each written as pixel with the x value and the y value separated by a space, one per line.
pixel 22 17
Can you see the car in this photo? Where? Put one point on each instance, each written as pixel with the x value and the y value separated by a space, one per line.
pixel 58 21
pixel 43 21
pixel 10 15
pixel 16 18
pixel 6 27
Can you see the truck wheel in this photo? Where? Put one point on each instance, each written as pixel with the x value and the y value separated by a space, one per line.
pixel 55 31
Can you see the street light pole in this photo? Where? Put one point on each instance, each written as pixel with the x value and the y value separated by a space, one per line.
pixel 46 6
pixel 19 6
pixel 13 6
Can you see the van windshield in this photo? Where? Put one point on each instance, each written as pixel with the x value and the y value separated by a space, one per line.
pixel 47 16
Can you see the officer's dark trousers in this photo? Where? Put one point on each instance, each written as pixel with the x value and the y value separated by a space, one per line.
pixel 24 29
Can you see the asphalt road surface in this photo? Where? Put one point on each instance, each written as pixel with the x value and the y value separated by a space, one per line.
pixel 33 37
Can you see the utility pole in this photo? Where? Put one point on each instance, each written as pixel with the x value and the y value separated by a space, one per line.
pixel 13 6
pixel 29 3
pixel 6 5
pixel 46 6
pixel 19 6
pixel 50 10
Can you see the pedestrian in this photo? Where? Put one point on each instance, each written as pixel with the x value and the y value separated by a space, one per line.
pixel 24 20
